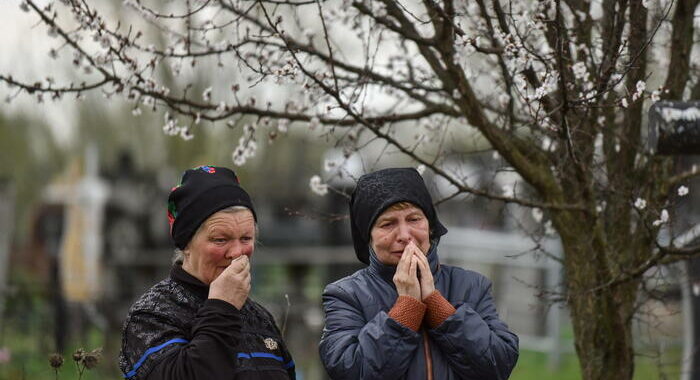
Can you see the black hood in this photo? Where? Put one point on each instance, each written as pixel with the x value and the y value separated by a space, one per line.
pixel 377 191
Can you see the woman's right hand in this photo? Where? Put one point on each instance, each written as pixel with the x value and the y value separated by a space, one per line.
pixel 233 284
pixel 406 278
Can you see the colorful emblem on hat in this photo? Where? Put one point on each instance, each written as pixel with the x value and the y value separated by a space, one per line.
pixel 207 169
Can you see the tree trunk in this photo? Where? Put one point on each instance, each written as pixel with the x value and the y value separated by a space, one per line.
pixel 602 328
pixel 601 316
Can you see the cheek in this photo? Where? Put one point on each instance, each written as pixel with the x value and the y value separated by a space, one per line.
pixel 382 238
pixel 248 250
pixel 215 254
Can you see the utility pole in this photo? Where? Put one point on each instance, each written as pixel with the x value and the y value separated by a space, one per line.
pixel 674 129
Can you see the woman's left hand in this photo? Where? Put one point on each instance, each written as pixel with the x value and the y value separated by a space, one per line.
pixel 427 283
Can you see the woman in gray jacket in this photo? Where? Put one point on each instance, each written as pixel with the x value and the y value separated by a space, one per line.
pixel 406 316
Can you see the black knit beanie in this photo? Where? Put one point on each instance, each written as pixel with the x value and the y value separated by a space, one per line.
pixel 377 191
pixel 202 191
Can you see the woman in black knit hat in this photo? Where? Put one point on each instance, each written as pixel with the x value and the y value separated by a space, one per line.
pixel 406 316
pixel 199 323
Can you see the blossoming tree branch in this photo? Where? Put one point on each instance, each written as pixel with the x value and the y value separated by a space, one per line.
pixel 556 88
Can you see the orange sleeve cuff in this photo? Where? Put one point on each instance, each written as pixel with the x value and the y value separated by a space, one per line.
pixel 408 311
pixel 438 309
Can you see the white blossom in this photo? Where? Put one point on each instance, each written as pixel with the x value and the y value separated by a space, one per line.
pixel 314 123
pixel 580 71
pixel 136 111
pixel 508 191
pixel 656 95
pixel 185 134
pixel 206 95
pixel 247 146
pixel 663 218
pixel 283 125
pixel 624 103
pixel 421 169
pixel 537 214
pixel 170 128
pixel 682 191
pixel 549 228
pixel 318 187
pixel 329 165
pixel 641 86
pixel 640 204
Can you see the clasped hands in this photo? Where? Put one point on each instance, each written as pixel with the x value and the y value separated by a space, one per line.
pixel 406 279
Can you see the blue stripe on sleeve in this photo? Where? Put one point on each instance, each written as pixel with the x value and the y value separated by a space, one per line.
pixel 243 355
pixel 149 352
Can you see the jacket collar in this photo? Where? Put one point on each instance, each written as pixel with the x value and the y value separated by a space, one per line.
pixel 189 281
pixel 386 272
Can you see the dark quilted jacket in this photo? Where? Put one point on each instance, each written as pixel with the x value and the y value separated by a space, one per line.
pixel 360 340
pixel 174 332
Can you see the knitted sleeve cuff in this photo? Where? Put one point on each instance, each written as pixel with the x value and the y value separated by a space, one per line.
pixel 408 311
pixel 438 309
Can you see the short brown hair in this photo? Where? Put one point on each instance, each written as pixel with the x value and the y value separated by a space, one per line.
pixel 401 206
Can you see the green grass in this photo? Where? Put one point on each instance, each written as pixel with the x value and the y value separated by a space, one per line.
pixel 535 366
pixel 30 359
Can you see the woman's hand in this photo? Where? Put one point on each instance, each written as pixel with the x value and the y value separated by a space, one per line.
pixel 427 283
pixel 233 284
pixel 406 277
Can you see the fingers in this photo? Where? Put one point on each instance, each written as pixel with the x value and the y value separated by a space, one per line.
pixel 421 257
pixel 422 264
pixel 413 268
pixel 239 264
pixel 404 262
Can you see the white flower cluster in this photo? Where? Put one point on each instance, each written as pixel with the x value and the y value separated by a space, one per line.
pixel 580 71
pixel 641 86
pixel 317 186
pixel 549 84
pixel 289 71
pixel 247 146
pixel 171 128
pixel 640 204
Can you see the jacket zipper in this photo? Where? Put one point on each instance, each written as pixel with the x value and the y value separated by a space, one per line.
pixel 428 357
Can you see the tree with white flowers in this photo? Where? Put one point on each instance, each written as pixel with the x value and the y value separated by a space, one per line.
pixel 558 89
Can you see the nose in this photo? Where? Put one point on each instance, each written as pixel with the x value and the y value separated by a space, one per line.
pixel 403 233
pixel 235 250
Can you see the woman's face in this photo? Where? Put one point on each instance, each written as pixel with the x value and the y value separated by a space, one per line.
pixel 394 229
pixel 219 240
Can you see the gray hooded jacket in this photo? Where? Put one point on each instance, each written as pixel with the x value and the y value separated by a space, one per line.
pixel 361 341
